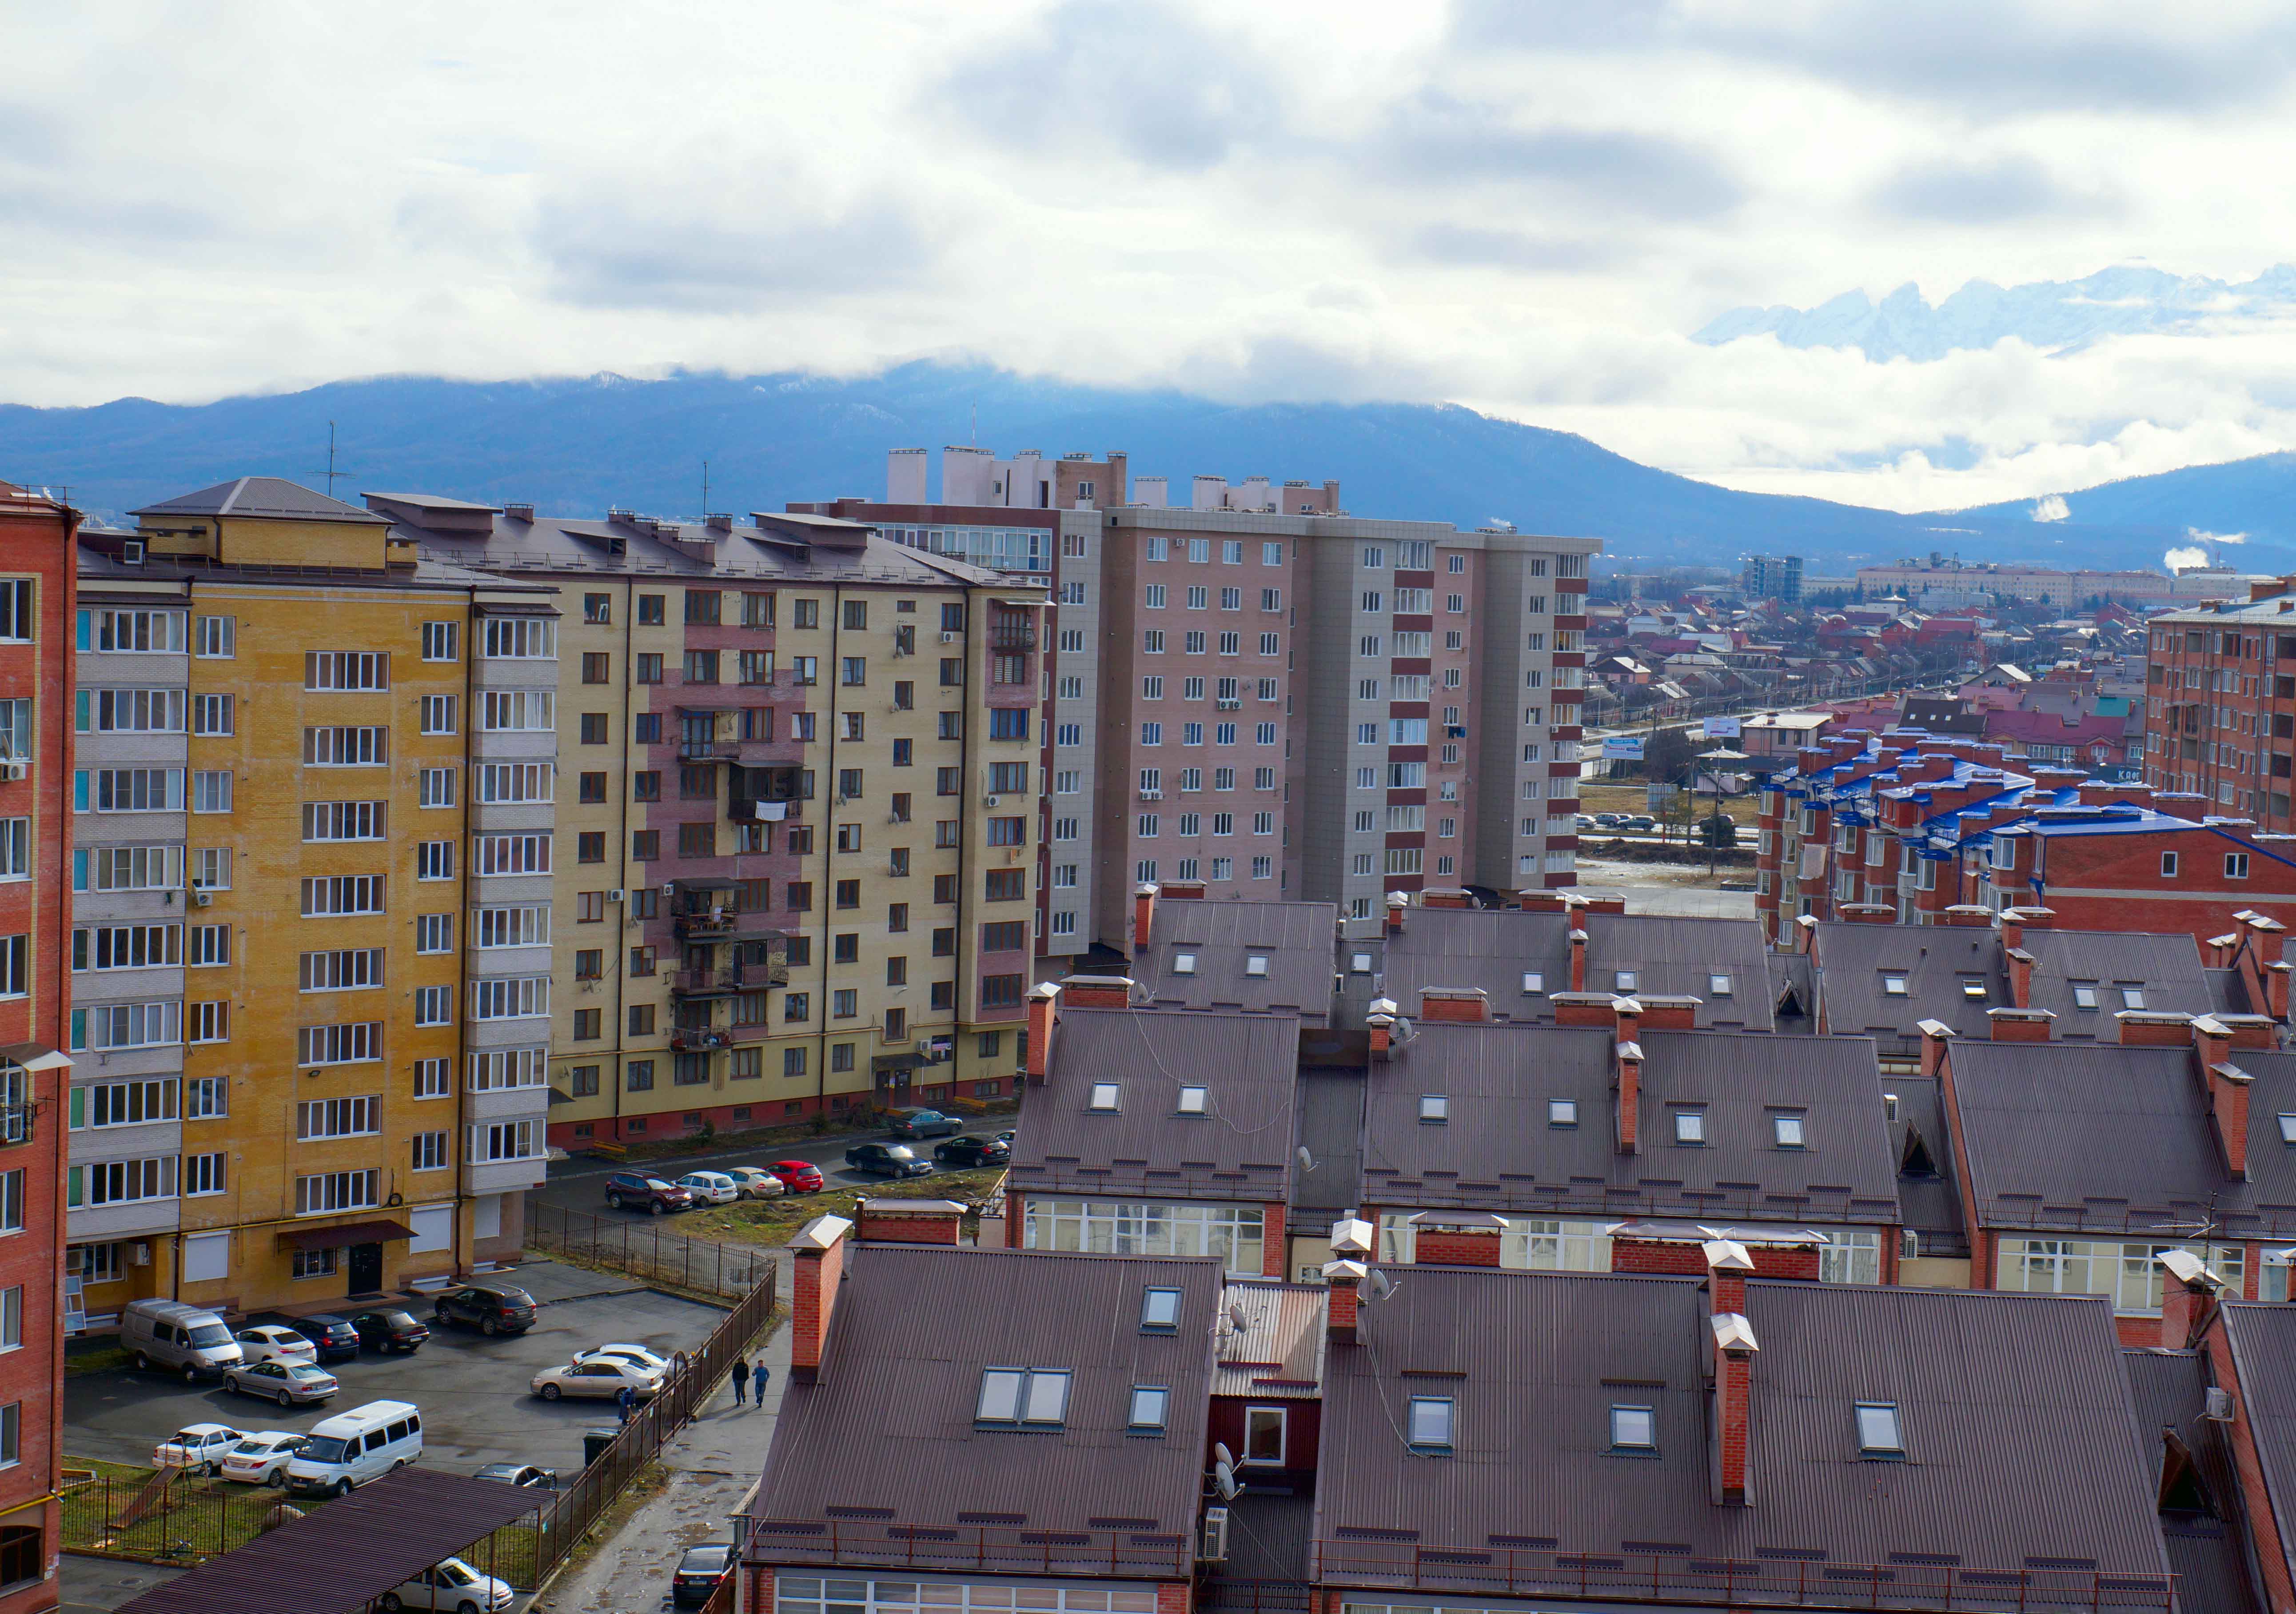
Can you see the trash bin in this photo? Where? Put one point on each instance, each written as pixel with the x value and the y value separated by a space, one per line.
pixel 594 1443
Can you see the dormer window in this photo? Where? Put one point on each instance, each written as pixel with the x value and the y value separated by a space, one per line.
pixel 1717 986
pixel 1533 983
pixel 1562 1112
pixel 1434 1108
pixel 1877 1430
pixel 1972 987
pixel 1184 963
pixel 1787 1129
pixel 1104 1095
pixel 1893 984
pixel 1255 964
pixel 1690 1128
pixel 2085 995
pixel 1149 1402
pixel 2132 996
pixel 1192 1099
pixel 1626 979
pixel 1033 1397
pixel 1159 1311
pixel 1431 1423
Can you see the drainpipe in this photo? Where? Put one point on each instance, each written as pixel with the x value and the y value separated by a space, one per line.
pixel 965 821
pixel 622 837
pixel 460 1075
pixel 823 788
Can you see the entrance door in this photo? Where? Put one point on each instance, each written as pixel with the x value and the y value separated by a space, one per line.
pixel 367 1269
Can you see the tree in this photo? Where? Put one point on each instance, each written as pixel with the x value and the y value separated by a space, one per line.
pixel 1719 831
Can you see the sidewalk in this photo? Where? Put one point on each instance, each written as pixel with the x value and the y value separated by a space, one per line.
pixel 714 1461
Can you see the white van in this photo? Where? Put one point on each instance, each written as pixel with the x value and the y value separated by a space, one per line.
pixel 177 1338
pixel 353 1447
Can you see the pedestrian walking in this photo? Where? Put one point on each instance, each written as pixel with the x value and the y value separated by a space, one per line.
pixel 741 1380
pixel 625 1400
pixel 758 1382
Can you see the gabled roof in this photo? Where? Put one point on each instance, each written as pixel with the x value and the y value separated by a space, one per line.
pixel 2205 1551
pixel 1667 955
pixel 1239 1150
pixel 1497 1150
pixel 887 1433
pixel 268 497
pixel 1295 940
pixel 2082 1136
pixel 2263 1341
pixel 2021 1438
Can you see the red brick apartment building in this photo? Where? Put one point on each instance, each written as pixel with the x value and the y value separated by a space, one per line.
pixel 37 542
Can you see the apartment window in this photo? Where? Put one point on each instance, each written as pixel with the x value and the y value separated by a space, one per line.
pixel 640 1019
pixel 347 670
pixel 335 1191
pixel 437 714
pixel 589 1025
pixel 433 933
pixel 322 1118
pixel 429 1149
pixel 434 1006
pixel 354 1043
pixel 434 860
pixel 207 1098
pixel 2168 865
pixel 2236 865
pixel 440 641
pixel 18 620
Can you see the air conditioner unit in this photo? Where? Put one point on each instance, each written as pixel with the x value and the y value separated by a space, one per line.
pixel 15 768
pixel 139 1255
pixel 201 899
pixel 2218 1409
pixel 1215 1544
pixel 1152 795
pixel 1909 1245
pixel 947 638
pixel 1229 705
pixel 990 801
pixel 618 896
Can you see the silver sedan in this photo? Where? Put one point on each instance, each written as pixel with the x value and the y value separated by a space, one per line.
pixel 288 1383
pixel 598 1378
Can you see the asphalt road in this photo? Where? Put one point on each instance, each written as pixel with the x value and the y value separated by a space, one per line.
pixel 473 1390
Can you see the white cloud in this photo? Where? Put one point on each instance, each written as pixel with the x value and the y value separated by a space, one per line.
pixel 2185 559
pixel 1510 208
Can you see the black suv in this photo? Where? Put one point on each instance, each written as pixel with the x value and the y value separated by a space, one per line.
pixel 332 1338
pixel 388 1328
pixel 491 1311
pixel 969 1151
pixel 886 1160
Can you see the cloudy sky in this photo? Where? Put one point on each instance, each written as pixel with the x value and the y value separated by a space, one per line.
pixel 1520 205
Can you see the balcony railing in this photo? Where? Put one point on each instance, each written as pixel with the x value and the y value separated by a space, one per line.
pixel 715 922
pixel 995 1549
pixel 688 1039
pixel 738 977
pixel 1653 1578
pixel 708 750
pixel 1012 636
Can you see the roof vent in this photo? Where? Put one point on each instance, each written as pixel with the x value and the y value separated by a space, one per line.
pixel 519 513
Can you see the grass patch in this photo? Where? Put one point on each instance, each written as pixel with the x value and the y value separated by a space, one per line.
pixel 101 1359
pixel 194 1519
pixel 771 1221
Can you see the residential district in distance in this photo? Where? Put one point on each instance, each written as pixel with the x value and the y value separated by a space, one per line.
pixel 1389 1223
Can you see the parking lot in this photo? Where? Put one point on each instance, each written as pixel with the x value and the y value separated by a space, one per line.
pixel 473 1390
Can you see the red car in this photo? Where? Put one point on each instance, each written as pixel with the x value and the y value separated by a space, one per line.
pixel 798 1176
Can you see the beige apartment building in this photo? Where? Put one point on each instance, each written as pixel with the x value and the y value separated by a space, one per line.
pixel 797 813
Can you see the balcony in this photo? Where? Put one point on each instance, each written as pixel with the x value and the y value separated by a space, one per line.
pixel 753 809
pixel 708 750
pixel 704 982
pixel 1131 1554
pixel 1012 636
pixel 706 923
pixel 693 1039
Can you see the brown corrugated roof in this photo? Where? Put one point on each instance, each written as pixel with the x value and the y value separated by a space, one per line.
pixel 339 1558
pixel 1279 1353
pixel 1296 938
pixel 1669 956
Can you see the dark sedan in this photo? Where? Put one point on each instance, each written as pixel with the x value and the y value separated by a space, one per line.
pixel 921 1124
pixel 886 1160
pixel 489 1309
pixel 387 1329
pixel 700 1571
pixel 962 1152
pixel 332 1338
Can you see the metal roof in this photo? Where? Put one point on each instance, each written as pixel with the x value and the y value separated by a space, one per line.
pixel 1930 1202
pixel 888 1434
pixel 1497 1150
pixel 339 1558
pixel 2084 1136
pixel 2016 1415
pixel 2206 1552
pixel 268 497
pixel 1238 1150
pixel 1669 956
pixel 2263 1341
pixel 1278 1353
pixel 1331 1104
pixel 2167 967
pixel 1296 939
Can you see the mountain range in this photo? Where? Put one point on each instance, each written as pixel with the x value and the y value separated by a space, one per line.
pixel 2056 316
pixel 580 445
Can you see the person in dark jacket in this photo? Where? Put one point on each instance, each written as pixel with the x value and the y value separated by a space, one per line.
pixel 625 1400
pixel 741 1380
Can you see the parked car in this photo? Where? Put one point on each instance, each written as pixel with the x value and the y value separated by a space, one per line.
pixel 388 1328
pixel 491 1308
pixel 1005 1138
pixel 700 1572
pixel 886 1160
pixel 598 1378
pixel 798 1176
pixel 1638 823
pixel 710 1188
pixel 519 1473
pixel 962 1152
pixel 332 1338
pixel 351 1448
pixel 921 1124
pixel 176 1337
pixel 643 1357
pixel 756 1182
pixel 269 1342
pixel 451 1587
pixel 1583 822
pixel 288 1383
pixel 1610 821
pixel 196 1446
pixel 261 1459
pixel 638 1191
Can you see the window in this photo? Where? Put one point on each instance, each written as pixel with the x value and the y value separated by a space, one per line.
pixel 1104 1095
pixel 2168 865
pixel 1893 985
pixel 430 1148
pixel 322 1118
pixel 205 1098
pixel 434 860
pixel 437 714
pixel 1431 1423
pixel 18 618
pixel 334 1192
pixel 1690 1128
pixel 439 640
pixel 1194 1100
pixel 1562 1112
pixel 2131 996
pixel 1023 1396
pixel 2235 866
pixel 1434 1108
pixel 1148 1405
pixel 347 1044
pixel 1877 1429
pixel 2084 994
pixel 434 1006
pixel 1634 1428
pixel 1787 1129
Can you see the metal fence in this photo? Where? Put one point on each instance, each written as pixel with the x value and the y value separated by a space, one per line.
pixel 644 1251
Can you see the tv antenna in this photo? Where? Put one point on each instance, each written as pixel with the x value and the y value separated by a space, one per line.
pixel 705 489
pixel 331 473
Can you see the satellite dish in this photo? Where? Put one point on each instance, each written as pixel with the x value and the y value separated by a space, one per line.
pixel 1236 1320
pixel 1379 1286
pixel 1223 1477
pixel 1222 1455
pixel 1307 1160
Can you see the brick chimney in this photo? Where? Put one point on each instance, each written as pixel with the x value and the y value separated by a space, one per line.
pixel 1044 1001
pixel 1341 1278
pixel 1866 913
pixel 1968 915
pixel 1097 992
pixel 1457 1239
pixel 1733 1382
pixel 1181 891
pixel 2250 1031
pixel 1537 900
pixel 1143 916
pixel 1467 1005
pixel 2021 976
pixel 2155 1028
pixel 1626 1081
pixel 2227 1088
pixel 1381 1020
pixel 1584 1009
pixel 2220 949
pixel 1397 903
pixel 818 1254
pixel 1668 1013
pixel 1626 1016
pixel 2275 989
pixel 1579 959
pixel 2019 1024
pixel 1444 896
pixel 2266 936
pixel 1935 1033
pixel 910 1220
pixel 1604 902
pixel 1806 934
pixel 1727 1263
pixel 2187 1290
